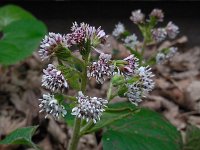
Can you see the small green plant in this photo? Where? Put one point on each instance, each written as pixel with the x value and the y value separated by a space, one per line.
pixel 125 125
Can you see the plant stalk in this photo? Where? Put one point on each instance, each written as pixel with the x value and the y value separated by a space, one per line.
pixel 77 124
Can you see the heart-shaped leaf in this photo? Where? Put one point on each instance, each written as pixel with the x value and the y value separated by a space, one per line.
pixel 145 130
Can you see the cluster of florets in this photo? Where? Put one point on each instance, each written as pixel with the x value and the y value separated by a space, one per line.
pixel 131 41
pixel 171 30
pixel 84 32
pixel 131 65
pixel 49 44
pixel 89 108
pixel 143 85
pixel 137 17
pixel 50 105
pixel 162 57
pixel 119 29
pixel 158 34
pixel 53 79
pixel 101 69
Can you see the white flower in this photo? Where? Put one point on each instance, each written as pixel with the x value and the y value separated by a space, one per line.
pixel 119 29
pixel 49 43
pixel 172 30
pixel 134 93
pixel 146 78
pixel 131 66
pixel 131 41
pixel 53 79
pixel 159 34
pixel 100 69
pixel 144 85
pixel 172 51
pixel 50 105
pixel 83 32
pixel 137 16
pixel 160 58
pixel 158 14
pixel 89 108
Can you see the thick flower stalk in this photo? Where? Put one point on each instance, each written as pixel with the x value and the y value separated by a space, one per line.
pixel 101 69
pixel 53 79
pixel 89 108
pixel 49 44
pixel 51 106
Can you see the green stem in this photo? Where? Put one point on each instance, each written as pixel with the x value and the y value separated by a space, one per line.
pixel 86 127
pixel 109 91
pixel 75 136
pixel 77 124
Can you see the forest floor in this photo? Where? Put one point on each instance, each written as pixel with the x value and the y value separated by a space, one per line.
pixel 176 96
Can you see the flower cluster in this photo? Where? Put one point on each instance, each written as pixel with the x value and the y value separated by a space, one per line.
pixel 118 30
pixel 144 85
pixel 101 69
pixel 49 44
pixel 131 41
pixel 132 65
pixel 137 17
pixel 89 108
pixel 158 14
pixel 84 32
pixel 162 57
pixel 53 79
pixel 160 34
pixel 50 105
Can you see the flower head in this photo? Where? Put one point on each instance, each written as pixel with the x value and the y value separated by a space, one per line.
pixel 101 68
pixel 134 93
pixel 50 105
pixel 159 34
pixel 172 30
pixel 49 43
pixel 131 66
pixel 158 14
pixel 146 78
pixel 131 41
pixel 84 32
pixel 89 108
pixel 172 51
pixel 137 17
pixel 119 29
pixel 53 79
pixel 160 58
pixel 144 85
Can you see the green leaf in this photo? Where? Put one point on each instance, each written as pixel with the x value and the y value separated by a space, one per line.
pixel 20 39
pixel 145 130
pixel 69 118
pixel 72 76
pixel 11 13
pixel 192 138
pixel 21 136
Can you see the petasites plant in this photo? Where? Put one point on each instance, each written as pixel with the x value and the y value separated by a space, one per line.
pixel 125 126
